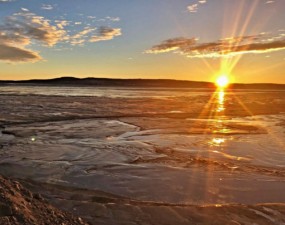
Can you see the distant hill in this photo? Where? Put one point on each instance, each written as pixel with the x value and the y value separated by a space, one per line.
pixel 103 82
pixel 72 81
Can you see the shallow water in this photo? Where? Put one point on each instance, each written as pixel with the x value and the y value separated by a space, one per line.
pixel 206 148
pixel 114 92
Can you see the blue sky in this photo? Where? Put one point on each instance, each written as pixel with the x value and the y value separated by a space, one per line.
pixel 185 39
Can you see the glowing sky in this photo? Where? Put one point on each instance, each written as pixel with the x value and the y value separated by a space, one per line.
pixel 185 39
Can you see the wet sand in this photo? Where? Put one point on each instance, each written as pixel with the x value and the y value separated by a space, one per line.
pixel 205 158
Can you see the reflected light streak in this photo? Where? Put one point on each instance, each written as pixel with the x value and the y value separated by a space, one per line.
pixel 221 101
pixel 217 141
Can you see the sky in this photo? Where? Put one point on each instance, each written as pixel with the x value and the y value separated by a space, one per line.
pixel 170 39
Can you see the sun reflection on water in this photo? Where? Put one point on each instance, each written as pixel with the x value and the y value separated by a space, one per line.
pixel 219 128
pixel 217 141
pixel 221 101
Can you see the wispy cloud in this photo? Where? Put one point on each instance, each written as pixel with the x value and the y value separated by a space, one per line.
pixel 81 37
pixel 84 32
pixel 61 24
pixel 91 17
pixel 113 19
pixel 6 1
pixel 190 47
pixel 47 7
pixel 25 9
pixel 172 44
pixel 106 33
pixel 194 7
pixel 108 18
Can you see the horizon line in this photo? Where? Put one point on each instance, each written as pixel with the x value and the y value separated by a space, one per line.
pixel 126 79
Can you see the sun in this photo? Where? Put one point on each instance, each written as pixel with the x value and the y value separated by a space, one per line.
pixel 222 81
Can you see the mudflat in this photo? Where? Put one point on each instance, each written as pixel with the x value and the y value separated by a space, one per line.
pixel 127 156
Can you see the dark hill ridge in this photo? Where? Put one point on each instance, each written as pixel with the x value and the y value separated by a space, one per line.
pixel 72 81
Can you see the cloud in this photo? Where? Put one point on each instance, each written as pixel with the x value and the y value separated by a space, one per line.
pixel 108 18
pixel 172 44
pixel 193 8
pixel 81 37
pixel 19 30
pixel 6 1
pixel 35 27
pixel 61 23
pixel 17 54
pixel 47 7
pixel 113 19
pixel 233 46
pixel 91 17
pixel 92 34
pixel 106 33
pixel 84 32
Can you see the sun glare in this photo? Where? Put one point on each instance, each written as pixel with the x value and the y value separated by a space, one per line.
pixel 222 81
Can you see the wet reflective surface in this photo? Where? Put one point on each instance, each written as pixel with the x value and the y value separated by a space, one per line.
pixel 200 149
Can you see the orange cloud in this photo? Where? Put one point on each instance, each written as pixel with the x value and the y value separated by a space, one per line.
pixel 17 54
pixel 106 33
pixel 221 48
pixel 19 30
pixel 24 28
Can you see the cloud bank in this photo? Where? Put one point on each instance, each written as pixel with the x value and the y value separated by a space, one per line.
pixel 20 30
pixel 233 46
pixel 23 29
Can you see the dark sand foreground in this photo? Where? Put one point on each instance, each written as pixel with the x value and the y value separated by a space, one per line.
pixel 19 206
